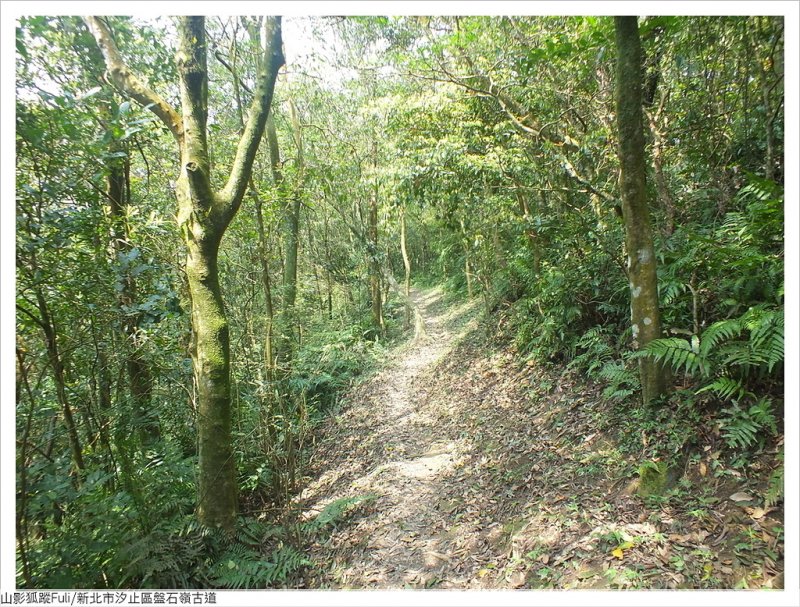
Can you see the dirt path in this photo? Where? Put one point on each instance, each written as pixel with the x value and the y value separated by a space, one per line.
pixel 482 471
pixel 388 444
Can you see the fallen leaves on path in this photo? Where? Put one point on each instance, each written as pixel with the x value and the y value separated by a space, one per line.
pixel 489 473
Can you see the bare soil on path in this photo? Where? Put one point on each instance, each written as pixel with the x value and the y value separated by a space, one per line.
pixel 469 469
pixel 389 444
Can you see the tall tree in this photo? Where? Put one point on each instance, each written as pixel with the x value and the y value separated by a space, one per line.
pixel 291 241
pixel 374 255
pixel 642 277
pixel 204 214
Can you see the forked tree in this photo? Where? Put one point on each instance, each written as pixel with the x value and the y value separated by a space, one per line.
pixel 204 214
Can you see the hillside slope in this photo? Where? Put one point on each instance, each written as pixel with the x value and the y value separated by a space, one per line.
pixel 458 467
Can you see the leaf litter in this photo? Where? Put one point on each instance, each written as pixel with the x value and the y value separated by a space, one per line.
pixel 489 472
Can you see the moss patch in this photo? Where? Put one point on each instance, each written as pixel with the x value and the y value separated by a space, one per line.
pixel 653 478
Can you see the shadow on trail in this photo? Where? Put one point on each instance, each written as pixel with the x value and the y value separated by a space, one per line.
pixel 491 473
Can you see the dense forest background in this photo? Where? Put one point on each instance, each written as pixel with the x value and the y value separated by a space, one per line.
pixel 216 238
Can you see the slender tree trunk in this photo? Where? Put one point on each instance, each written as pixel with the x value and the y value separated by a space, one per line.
pixel 328 266
pixel 374 260
pixel 315 266
pixel 530 234
pixel 766 66
pixel 375 265
pixel 59 379
pixel 662 188
pixel 104 403
pixel 22 467
pixel 467 264
pixel 291 247
pixel 263 254
pixel 291 206
pixel 638 233
pixel 139 375
pixel 406 266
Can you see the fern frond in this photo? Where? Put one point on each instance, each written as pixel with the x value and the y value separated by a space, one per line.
pixel 246 568
pixel 726 388
pixel 623 380
pixel 616 374
pixel 677 353
pixel 766 334
pixel 774 493
pixel 670 292
pixel 336 510
pixel 740 354
pixel 719 331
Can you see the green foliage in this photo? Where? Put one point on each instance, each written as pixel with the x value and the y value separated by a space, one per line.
pixel 181 553
pixel 330 361
pixel 336 510
pixel 243 567
pixel 721 353
pixel 774 493
pixel 533 219
pixel 744 428
pixel 166 557
pixel 659 432
pixel 731 357
pixel 623 381
pixel 596 351
pixel 680 354
pixel 103 533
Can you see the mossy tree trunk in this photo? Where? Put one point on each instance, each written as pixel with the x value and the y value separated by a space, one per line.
pixel 645 315
pixel 204 214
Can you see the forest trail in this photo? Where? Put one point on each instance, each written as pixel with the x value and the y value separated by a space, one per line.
pixel 460 466
pixel 388 444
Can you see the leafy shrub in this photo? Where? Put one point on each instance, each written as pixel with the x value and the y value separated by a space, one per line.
pixel 329 364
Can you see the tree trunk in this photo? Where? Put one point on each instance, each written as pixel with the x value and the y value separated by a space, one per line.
pixel 638 234
pixel 662 188
pixel 467 265
pixel 22 465
pixel 374 260
pixel 375 265
pixel 269 361
pixel 203 216
pixel 406 266
pixel 139 376
pixel 59 379
pixel 211 357
pixel 291 245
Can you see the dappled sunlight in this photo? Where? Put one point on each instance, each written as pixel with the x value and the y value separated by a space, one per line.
pixel 409 467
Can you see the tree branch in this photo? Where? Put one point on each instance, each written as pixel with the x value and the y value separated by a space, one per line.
pixel 119 74
pixel 232 193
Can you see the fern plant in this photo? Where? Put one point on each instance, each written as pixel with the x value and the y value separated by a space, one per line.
pixel 243 567
pixel 774 493
pixel 722 352
pixel 597 351
pixel 623 380
pixel 335 511
pixel 743 428
pixel 728 357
